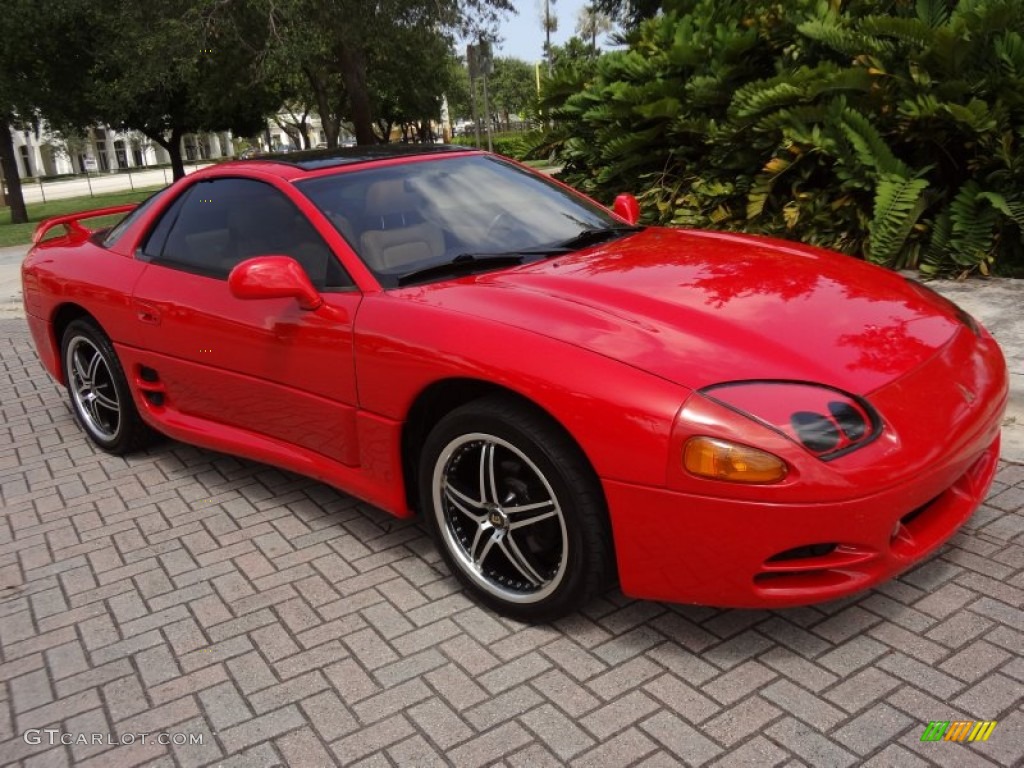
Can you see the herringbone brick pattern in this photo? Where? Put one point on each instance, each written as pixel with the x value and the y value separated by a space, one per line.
pixel 184 591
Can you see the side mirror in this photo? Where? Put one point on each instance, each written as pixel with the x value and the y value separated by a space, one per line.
pixel 627 208
pixel 273 277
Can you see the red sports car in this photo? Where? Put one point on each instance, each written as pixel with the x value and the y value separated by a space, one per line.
pixel 565 396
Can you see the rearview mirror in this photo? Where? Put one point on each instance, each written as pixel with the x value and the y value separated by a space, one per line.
pixel 273 277
pixel 628 208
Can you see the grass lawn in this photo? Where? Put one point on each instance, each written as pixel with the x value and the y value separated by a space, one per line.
pixel 19 234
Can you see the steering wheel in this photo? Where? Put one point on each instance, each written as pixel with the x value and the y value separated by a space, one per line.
pixel 501 218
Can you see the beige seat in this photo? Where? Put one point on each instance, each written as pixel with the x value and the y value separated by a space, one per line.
pixel 394 232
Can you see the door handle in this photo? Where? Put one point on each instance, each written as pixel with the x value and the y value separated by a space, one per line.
pixel 147 313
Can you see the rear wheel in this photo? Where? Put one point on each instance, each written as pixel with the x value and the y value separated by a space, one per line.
pixel 98 389
pixel 516 509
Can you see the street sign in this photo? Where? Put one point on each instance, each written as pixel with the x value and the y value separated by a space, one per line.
pixel 485 61
pixel 91 164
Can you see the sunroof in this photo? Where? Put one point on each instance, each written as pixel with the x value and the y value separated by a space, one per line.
pixel 312 159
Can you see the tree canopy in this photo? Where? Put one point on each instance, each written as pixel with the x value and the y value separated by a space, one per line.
pixel 512 87
pixel 158 67
pixel 383 60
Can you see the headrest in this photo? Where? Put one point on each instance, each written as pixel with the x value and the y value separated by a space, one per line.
pixel 389 196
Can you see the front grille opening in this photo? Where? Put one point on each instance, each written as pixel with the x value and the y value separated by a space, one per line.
pixel 805 552
pixel 911 516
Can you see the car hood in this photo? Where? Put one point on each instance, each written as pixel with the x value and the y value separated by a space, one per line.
pixel 699 308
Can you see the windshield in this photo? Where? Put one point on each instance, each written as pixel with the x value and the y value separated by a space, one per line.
pixel 405 219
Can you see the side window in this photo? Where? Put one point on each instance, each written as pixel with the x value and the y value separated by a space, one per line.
pixel 219 223
pixel 122 226
pixel 153 245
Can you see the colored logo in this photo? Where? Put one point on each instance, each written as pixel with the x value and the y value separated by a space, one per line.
pixel 958 730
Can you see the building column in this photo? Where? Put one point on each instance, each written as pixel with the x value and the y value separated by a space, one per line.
pixel 213 143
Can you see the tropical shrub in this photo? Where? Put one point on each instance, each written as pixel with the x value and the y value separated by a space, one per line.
pixel 888 129
pixel 514 145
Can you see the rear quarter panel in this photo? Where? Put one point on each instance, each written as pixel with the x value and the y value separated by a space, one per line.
pixel 76 271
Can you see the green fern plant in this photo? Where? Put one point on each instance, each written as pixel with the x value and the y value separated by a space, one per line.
pixel 889 130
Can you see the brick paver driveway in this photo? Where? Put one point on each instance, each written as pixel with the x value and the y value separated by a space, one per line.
pixel 186 592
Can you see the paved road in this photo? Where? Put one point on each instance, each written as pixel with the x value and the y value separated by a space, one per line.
pixel 184 591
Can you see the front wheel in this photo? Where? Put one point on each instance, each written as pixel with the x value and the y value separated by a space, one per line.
pixel 516 509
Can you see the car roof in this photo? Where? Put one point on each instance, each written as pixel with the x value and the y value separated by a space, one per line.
pixel 294 166
pixel 318 159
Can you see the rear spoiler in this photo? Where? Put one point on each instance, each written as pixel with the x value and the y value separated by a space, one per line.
pixel 71 221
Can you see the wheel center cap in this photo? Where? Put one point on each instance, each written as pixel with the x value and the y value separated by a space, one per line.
pixel 495 516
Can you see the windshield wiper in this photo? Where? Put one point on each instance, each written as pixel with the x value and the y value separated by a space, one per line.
pixel 464 264
pixel 467 263
pixel 595 235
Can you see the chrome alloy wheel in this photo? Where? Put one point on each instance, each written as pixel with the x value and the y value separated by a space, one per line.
pixel 500 518
pixel 92 389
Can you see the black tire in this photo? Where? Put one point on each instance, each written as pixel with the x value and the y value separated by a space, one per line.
pixel 516 510
pixel 98 390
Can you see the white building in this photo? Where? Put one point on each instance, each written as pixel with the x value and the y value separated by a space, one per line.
pixel 102 149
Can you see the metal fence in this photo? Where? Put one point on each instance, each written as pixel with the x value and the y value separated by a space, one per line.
pixel 42 189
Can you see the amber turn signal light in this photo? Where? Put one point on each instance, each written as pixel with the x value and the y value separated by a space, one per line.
pixel 723 460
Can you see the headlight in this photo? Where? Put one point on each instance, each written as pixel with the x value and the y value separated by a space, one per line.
pixel 826 421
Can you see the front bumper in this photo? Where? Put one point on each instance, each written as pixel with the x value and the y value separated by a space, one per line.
pixel 690 549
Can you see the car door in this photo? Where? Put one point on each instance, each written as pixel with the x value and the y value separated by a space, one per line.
pixel 265 366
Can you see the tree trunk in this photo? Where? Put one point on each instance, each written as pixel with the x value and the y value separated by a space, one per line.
pixel 292 131
pixel 353 73
pixel 173 147
pixel 14 197
pixel 174 150
pixel 330 123
pixel 382 131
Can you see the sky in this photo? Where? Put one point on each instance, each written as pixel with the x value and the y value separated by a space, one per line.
pixel 524 36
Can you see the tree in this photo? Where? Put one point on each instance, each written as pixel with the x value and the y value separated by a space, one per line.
pixel 628 13
pixel 38 63
pixel 575 53
pixel 166 69
pixel 8 165
pixel 592 22
pixel 408 79
pixel 161 68
pixel 295 122
pixel 354 42
pixel 512 87
pixel 549 23
pixel 459 99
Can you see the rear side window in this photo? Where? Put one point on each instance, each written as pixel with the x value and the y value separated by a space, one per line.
pixel 217 224
pixel 122 226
